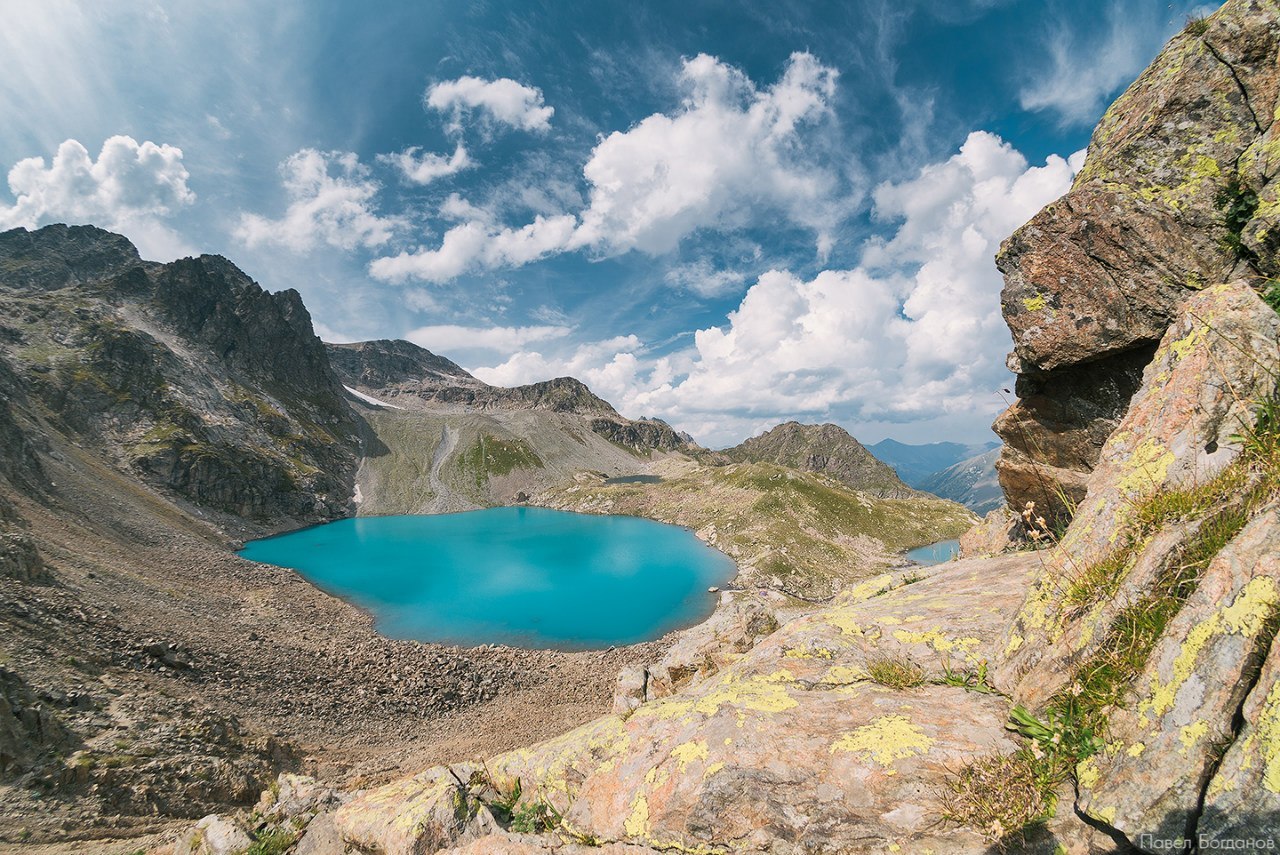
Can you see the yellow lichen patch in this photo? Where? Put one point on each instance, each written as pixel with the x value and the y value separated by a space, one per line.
pixel 1187 343
pixel 890 620
pixel 1245 615
pixel 1266 735
pixel 939 642
pixel 1147 469
pixel 687 752
pixel 867 589
pixel 1015 642
pixel 1033 304
pixel 843 674
pixel 712 769
pixel 809 653
pixel 637 823
pixel 1257 602
pixel 844 621
pixel 886 740
pixel 1136 749
pixel 1087 773
pixel 1191 734
pixel 764 694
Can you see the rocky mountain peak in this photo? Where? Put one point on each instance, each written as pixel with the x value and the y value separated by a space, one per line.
pixel 825 448
pixel 389 362
pixel 187 373
pixel 60 255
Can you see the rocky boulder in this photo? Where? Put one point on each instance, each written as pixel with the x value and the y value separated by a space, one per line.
pixel 1158 210
pixel 734 628
pixel 19 558
pixel 1164 746
pixel 1218 359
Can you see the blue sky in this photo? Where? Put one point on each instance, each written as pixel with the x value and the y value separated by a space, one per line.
pixel 726 214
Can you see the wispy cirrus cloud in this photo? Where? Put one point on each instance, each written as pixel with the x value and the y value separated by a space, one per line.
pixel 1082 74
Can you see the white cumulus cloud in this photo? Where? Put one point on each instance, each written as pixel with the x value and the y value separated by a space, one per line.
pixel 128 188
pixel 731 152
pixel 504 101
pixel 728 151
pixel 914 332
pixel 425 168
pixel 478 245
pixel 331 200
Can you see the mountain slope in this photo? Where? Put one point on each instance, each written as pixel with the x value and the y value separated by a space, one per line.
pixel 828 449
pixel 445 440
pixel 187 374
pixel 804 533
pixel 972 482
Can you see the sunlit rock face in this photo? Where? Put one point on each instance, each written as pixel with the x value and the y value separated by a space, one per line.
pixel 1176 194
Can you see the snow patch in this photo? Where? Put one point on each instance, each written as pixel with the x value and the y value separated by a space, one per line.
pixel 369 399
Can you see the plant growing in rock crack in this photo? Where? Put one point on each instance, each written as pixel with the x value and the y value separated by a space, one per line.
pixel 896 672
pixel 275 841
pixel 973 681
pixel 1197 25
pixel 1238 203
pixel 1001 796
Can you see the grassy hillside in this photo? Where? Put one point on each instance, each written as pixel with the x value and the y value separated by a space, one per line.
pixel 802 532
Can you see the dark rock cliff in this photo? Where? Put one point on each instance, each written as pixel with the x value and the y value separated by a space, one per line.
pixel 188 374
pixel 392 370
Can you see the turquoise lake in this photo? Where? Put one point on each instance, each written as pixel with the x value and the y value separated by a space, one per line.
pixel 935 553
pixel 526 577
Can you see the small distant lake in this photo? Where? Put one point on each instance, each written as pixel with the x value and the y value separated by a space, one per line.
pixel 526 577
pixel 635 479
pixel 935 553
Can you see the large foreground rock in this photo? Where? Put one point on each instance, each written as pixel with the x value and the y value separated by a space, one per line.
pixel 1093 280
pixel 1219 358
pixel 790 748
pixel 1163 746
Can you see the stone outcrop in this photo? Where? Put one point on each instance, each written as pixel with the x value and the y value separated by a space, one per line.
pixel 30 733
pixel 1093 280
pixel 999 532
pixel 734 628
pixel 1164 745
pixel 828 449
pixel 790 748
pixel 1220 357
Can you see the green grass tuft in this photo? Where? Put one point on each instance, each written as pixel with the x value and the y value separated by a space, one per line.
pixel 1001 796
pixel 1197 25
pixel 896 672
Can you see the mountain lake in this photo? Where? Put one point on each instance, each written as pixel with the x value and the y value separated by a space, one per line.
pixel 525 577
pixel 935 553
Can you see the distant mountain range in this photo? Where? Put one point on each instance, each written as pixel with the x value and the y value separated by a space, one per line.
pixel 950 470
